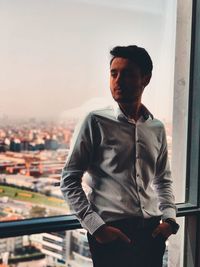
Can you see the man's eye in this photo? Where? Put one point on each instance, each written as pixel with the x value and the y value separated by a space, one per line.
pixel 113 74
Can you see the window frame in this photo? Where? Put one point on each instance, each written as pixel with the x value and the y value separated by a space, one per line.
pixel 191 209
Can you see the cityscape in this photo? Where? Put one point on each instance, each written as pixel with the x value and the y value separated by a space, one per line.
pixel 32 154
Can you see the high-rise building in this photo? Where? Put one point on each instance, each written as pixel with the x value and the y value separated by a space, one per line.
pixel 9 245
pixel 79 250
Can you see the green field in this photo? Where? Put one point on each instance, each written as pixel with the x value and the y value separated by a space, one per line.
pixel 31 197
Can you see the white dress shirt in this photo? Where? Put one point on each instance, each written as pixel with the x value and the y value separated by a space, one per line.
pixel 128 166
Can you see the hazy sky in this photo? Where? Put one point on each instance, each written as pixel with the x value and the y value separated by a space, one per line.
pixel 55 53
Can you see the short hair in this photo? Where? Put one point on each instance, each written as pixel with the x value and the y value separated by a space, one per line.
pixel 136 54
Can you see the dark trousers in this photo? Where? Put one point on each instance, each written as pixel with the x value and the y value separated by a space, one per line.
pixel 143 251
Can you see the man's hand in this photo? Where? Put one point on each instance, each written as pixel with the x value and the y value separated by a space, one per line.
pixel 107 234
pixel 163 229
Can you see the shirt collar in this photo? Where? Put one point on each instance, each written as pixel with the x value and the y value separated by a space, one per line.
pixel 146 114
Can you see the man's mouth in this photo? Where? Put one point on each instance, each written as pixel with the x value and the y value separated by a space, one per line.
pixel 119 89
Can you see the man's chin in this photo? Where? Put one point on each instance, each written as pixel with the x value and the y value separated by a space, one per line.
pixel 123 100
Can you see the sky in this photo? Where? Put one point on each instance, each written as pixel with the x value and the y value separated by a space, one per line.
pixel 55 53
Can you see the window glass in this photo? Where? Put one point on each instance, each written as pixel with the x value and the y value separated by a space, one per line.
pixel 175 246
pixel 68 248
pixel 180 98
pixel 55 67
pixel 180 121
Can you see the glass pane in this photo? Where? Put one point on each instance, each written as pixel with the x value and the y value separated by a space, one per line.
pixel 54 67
pixel 180 99
pixel 70 249
pixel 175 247
pixel 47 249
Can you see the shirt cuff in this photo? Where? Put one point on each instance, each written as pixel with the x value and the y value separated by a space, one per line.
pixel 92 222
pixel 169 213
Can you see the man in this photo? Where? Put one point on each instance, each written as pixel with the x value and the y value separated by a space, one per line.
pixel 124 150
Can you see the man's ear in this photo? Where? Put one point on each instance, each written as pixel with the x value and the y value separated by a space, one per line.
pixel 146 79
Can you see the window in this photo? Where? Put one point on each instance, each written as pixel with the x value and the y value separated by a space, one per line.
pixel 55 66
pixel 47 249
pixel 65 60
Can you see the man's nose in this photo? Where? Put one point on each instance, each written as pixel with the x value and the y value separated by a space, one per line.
pixel 119 78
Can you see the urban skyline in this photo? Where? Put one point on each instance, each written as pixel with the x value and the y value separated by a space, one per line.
pixel 31 159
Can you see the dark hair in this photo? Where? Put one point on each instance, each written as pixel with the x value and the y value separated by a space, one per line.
pixel 136 54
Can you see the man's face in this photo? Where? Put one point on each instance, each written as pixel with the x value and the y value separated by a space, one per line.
pixel 126 81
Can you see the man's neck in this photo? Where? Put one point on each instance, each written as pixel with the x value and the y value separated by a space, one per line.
pixel 131 110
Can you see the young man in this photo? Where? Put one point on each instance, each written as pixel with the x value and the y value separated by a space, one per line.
pixel 130 211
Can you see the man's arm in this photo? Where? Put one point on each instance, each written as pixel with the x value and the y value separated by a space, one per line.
pixel 163 186
pixel 78 160
pixel 163 182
